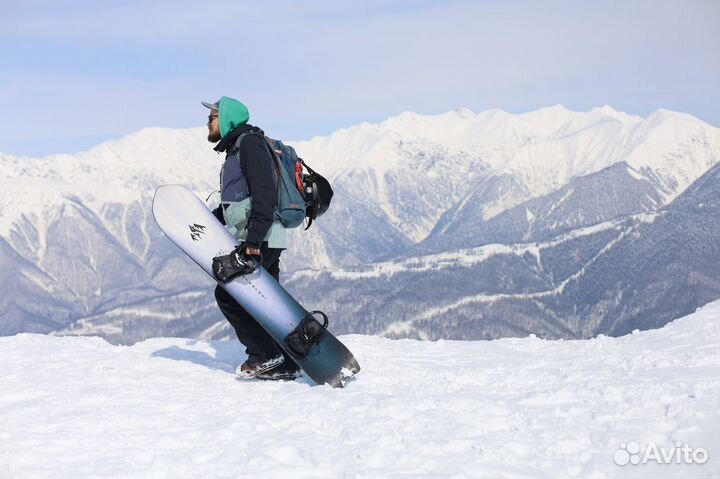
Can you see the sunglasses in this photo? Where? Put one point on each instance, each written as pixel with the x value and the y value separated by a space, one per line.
pixel 211 118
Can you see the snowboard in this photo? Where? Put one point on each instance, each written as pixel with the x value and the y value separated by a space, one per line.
pixel 187 222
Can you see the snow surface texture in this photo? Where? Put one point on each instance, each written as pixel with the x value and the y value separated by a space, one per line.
pixel 512 408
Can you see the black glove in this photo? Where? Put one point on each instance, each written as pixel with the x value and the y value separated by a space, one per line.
pixel 229 266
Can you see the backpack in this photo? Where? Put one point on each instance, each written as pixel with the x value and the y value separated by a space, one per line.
pixel 300 195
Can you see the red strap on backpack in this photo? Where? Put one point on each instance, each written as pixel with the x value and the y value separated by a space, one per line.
pixel 298 176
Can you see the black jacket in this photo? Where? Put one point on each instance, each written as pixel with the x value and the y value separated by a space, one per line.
pixel 257 164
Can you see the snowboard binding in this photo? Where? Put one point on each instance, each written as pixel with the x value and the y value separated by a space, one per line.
pixel 307 333
pixel 229 266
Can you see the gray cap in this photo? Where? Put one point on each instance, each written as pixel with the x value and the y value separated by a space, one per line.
pixel 212 106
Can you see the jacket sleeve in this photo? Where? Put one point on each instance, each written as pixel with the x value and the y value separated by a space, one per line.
pixel 259 170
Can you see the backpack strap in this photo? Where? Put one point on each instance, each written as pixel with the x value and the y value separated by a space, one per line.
pixel 268 147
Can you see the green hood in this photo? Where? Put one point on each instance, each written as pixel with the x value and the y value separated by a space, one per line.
pixel 231 114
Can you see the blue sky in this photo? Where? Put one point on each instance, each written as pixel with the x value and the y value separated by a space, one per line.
pixel 76 73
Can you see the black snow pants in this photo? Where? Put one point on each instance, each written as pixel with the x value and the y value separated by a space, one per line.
pixel 259 345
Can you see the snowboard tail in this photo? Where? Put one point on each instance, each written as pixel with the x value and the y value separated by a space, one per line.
pixel 188 223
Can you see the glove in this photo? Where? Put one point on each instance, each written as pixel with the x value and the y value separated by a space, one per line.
pixel 229 266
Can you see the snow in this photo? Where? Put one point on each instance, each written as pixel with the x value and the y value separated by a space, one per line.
pixel 430 262
pixel 636 175
pixel 529 215
pixel 466 257
pixel 75 407
pixel 540 150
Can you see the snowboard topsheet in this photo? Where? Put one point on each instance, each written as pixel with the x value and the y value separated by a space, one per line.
pixel 187 221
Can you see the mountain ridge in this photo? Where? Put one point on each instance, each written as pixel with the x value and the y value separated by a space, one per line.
pixel 70 222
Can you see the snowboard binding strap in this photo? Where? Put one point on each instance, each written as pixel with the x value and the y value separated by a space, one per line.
pixel 230 266
pixel 307 333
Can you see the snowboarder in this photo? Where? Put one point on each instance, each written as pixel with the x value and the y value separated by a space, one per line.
pixel 248 198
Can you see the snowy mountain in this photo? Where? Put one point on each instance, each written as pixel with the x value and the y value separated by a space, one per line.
pixel 616 191
pixel 635 271
pixel 511 408
pixel 80 252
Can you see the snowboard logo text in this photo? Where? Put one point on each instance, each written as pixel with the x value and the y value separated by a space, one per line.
pixel 196 231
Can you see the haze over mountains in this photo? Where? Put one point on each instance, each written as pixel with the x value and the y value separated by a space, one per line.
pixel 461 225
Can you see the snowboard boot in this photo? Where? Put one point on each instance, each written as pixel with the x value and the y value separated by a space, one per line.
pixel 283 372
pixel 252 369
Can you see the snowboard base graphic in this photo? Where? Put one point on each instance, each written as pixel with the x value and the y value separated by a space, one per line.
pixel 188 223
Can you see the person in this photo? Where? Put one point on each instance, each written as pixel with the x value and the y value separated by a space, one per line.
pixel 248 198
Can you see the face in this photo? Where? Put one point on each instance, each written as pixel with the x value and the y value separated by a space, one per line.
pixel 213 127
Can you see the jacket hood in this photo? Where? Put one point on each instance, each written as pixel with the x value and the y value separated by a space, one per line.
pixel 231 114
pixel 228 141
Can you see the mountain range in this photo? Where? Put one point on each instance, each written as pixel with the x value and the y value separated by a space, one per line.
pixel 462 225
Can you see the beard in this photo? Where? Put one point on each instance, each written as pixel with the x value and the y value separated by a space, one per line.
pixel 214 137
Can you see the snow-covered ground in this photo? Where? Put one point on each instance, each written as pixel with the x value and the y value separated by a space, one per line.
pixel 75 407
